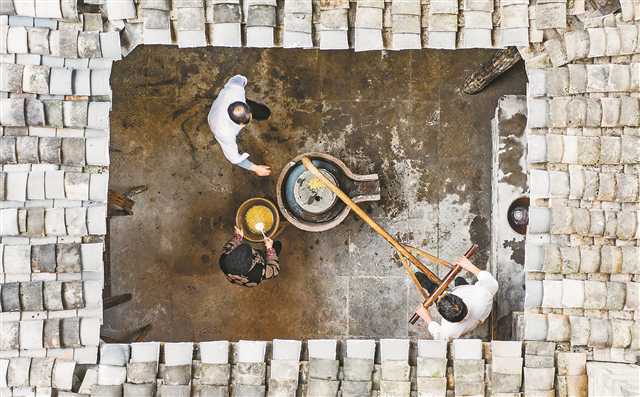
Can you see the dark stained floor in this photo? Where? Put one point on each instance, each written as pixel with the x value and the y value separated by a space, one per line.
pixel 399 114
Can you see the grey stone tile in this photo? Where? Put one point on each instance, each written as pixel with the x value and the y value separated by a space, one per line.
pixel 27 148
pixel 11 77
pixel 31 296
pixel 226 13
pixel 10 335
pixel 177 374
pixel 391 317
pixel 68 258
pixel 142 372
pixel 18 373
pixel 12 112
pixel 142 390
pixel 53 295
pixel 72 295
pixel 52 333
pixel 50 150
pixel 35 79
pixel 8 154
pixel 61 81
pixel 73 151
pixel 31 334
pixel 41 371
pixel 70 331
pixel 75 113
pixel 35 113
pixel 53 113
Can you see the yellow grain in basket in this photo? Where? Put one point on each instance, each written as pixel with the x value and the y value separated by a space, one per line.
pixel 259 214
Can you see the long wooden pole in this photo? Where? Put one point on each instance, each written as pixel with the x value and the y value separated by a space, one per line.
pixel 430 257
pixel 365 217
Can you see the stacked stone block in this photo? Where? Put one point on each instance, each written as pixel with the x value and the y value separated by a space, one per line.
pixel 506 367
pixel 261 23
pixel 212 373
pixel 514 26
pixel 477 24
pixel 358 366
pixel 571 379
pixel 368 25
pixel 249 373
pixel 175 379
pixel 539 368
pixel 323 368
pixel 395 372
pixel 334 25
pixel 442 24
pixel 405 24
pixel 432 368
pixel 190 23
pixel 284 368
pixel 298 24
pixel 468 367
pixel 225 30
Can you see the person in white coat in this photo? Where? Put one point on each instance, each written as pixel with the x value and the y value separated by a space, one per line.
pixel 463 307
pixel 229 114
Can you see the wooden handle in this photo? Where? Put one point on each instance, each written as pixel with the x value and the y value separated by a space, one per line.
pixel 365 217
pixel 445 283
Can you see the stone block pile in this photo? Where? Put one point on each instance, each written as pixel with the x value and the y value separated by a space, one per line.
pixel 314 368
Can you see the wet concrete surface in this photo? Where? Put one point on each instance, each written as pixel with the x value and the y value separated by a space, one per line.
pixel 398 114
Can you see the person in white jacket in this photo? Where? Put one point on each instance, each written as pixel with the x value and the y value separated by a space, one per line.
pixel 463 307
pixel 229 114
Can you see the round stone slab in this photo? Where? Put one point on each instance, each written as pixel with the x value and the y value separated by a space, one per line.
pixel 311 194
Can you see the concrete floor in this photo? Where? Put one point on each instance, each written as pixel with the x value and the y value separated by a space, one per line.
pixel 399 114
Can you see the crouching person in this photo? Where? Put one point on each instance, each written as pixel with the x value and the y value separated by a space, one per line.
pixel 463 307
pixel 246 266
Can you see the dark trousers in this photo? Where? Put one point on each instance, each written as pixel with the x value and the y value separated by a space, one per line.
pixel 277 246
pixel 259 112
pixel 430 286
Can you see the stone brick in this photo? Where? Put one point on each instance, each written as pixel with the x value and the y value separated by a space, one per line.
pixel 468 349
pixel 535 327
pixel 599 336
pixel 615 295
pixel 534 361
pixel 395 389
pixel 469 388
pixel 52 333
pixel 68 258
pixel 249 373
pixel 468 370
pixel 18 372
pixel 357 388
pixel 319 388
pixel 323 369
pixel 595 294
pixel 630 259
pixel 50 150
pixel 435 387
pixel 212 374
pixel 31 296
pixel 627 223
pixel 572 293
pixel 142 372
pixel 611 259
pixel 432 348
pixel 621 334
pixel 552 295
pixel 571 255
pixel 10 335
pixel 70 332
pixel 177 374
pixel 552 259
pixel 538 379
pixel 589 259
pixel 431 367
pixel 357 369
pixel 610 150
pixel 561 220
pixel 558 329
pixel 395 370
pixel 72 295
pixel 31 334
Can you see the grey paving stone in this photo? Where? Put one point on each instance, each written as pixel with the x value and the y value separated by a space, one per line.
pixel 323 369
pixel 16 259
pixel 73 151
pixel 31 334
pixel 107 390
pixel 43 258
pixel 321 388
pixel 216 352
pixel 357 369
pixel 35 114
pixel 63 374
pixel 11 77
pixel 70 331
pixel 76 221
pixel 226 13
pixel 12 112
pixel 10 335
pixel 27 148
pixel 52 333
pixel 534 361
pixel 616 293
pixel 177 374
pixel 68 258
pixel 81 82
pixel 141 372
pixel 31 297
pixel 89 45
pixel 35 79
pixel 213 374
pixel 8 153
pixel 18 373
pixel 72 295
pixel 53 113
pixel 75 113
pixel 436 387
pixel 249 373
pixel 210 391
pixel 177 391
pixel 50 150
pixel 53 295
pixel 139 390
pixel 41 371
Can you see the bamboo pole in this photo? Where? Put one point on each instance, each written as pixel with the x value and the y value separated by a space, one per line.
pixel 402 251
pixel 430 257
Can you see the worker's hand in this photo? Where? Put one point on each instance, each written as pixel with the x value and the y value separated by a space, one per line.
pixel 238 231
pixel 268 243
pixel 261 170
pixel 423 313
pixel 466 264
